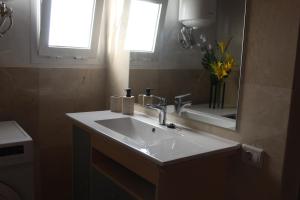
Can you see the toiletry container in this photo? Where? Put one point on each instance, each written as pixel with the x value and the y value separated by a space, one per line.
pixel 147 98
pixel 116 104
pixel 128 103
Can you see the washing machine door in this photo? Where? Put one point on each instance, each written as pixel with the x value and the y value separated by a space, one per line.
pixel 7 193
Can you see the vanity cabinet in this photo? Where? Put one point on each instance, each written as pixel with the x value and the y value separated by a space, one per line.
pixel 107 169
pixel 88 183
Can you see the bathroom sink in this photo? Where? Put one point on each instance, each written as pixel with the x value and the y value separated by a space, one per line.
pixel 137 130
pixel 150 139
pixel 144 135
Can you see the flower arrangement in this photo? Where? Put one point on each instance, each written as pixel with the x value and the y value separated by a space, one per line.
pixel 217 59
pixel 219 62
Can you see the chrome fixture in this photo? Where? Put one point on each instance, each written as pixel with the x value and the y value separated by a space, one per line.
pixel 161 107
pixel 185 37
pixel 6 20
pixel 195 14
pixel 180 104
pixel 187 40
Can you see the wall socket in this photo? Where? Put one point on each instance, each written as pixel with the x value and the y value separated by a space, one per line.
pixel 252 155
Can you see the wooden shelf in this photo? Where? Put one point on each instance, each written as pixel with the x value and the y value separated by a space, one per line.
pixel 136 186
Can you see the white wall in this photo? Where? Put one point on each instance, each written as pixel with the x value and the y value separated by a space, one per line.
pixel 15 45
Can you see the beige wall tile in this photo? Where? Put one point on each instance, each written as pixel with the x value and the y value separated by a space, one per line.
pixel 19 97
pixel 62 91
pixel 38 99
pixel 172 82
pixel 272 28
pixel 140 79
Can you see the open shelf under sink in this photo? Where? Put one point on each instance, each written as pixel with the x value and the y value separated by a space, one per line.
pixel 135 185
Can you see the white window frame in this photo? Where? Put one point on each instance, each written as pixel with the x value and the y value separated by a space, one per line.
pixel 67 52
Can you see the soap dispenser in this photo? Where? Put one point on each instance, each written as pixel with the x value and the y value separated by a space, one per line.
pixel 128 103
pixel 147 98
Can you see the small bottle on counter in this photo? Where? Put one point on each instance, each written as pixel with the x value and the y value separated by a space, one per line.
pixel 147 98
pixel 128 103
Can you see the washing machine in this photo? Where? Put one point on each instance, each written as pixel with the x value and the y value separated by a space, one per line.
pixel 16 163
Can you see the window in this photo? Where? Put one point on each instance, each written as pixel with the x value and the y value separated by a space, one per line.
pixel 70 28
pixel 142 26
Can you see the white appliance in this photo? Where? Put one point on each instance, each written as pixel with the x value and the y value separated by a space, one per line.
pixel 16 163
pixel 197 13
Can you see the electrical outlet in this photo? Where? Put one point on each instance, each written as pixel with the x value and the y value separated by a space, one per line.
pixel 252 155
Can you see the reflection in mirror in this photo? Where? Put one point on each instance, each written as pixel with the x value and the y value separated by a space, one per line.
pixel 142 26
pixel 197 60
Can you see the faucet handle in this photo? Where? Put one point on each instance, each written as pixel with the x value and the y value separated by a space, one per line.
pixel 162 100
pixel 180 104
pixel 180 97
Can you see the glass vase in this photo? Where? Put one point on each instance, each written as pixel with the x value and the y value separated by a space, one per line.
pixel 217 94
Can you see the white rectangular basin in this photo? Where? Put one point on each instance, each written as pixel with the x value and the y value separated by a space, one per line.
pixel 139 131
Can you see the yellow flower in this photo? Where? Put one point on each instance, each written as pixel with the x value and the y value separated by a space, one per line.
pixel 229 62
pixel 219 70
pixel 222 73
pixel 222 46
pixel 224 61
pixel 228 66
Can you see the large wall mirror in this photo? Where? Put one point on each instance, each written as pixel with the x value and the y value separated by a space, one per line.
pixel 191 53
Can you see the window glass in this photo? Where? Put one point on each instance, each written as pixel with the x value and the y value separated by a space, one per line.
pixel 71 23
pixel 142 26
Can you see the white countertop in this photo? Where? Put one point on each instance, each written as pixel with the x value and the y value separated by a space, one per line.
pixel 175 145
pixel 11 132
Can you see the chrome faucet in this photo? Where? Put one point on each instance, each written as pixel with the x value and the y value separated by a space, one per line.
pixel 161 107
pixel 180 104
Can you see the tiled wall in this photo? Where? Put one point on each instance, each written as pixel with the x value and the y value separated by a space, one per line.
pixel 38 99
pixel 170 83
pixel 269 68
